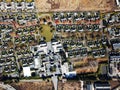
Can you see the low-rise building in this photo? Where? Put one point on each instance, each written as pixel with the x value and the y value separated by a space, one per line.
pixel 102 86
pixel 114 66
pixel 26 71
pixel 37 62
pixel 118 3
pixel 116 46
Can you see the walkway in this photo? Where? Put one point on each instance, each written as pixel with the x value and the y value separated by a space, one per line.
pixel 55 82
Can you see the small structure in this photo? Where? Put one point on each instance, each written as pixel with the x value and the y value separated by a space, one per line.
pixel 65 68
pixel 118 2
pixel 114 66
pixel 70 74
pixel 26 71
pixel 20 5
pixel 116 46
pixel 30 5
pixel 57 46
pixel 102 86
pixel 37 62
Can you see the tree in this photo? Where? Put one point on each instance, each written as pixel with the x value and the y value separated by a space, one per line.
pixel 62 53
pixel 44 38
pixel 33 74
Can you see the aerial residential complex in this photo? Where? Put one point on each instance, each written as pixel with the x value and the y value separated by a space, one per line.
pixel 60 45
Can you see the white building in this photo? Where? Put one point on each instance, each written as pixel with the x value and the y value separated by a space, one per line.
pixel 30 5
pixel 73 73
pixel 26 71
pixel 42 49
pixel 65 68
pixel 57 46
pixel 118 2
pixel 37 62
pixel 20 5
pixel 10 6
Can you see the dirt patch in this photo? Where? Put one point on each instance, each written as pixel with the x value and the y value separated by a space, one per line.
pixel 72 85
pixel 32 86
pixel 74 5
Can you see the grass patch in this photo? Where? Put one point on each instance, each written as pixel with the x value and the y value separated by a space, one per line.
pixel 8 0
pixel 99 71
pixel 29 0
pixel 44 14
pixel 46 32
pixel 19 0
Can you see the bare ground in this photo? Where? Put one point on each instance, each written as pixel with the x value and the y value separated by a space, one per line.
pixel 74 5
pixel 69 85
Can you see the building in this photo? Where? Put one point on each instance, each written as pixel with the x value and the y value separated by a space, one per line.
pixel 2 6
pixel 115 43
pixel 41 49
pixel 89 86
pixel 117 88
pixel 26 71
pixel 65 68
pixel 57 46
pixel 30 5
pixel 118 3
pixel 102 86
pixel 37 62
pixel 9 6
pixel 71 74
pixel 114 66
pixel 116 46
pixel 20 5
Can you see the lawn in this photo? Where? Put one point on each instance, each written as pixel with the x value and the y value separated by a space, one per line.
pixel 46 32
pixel 18 0
pixel 26 0
pixel 7 0
pixel 29 0
pixel 44 14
